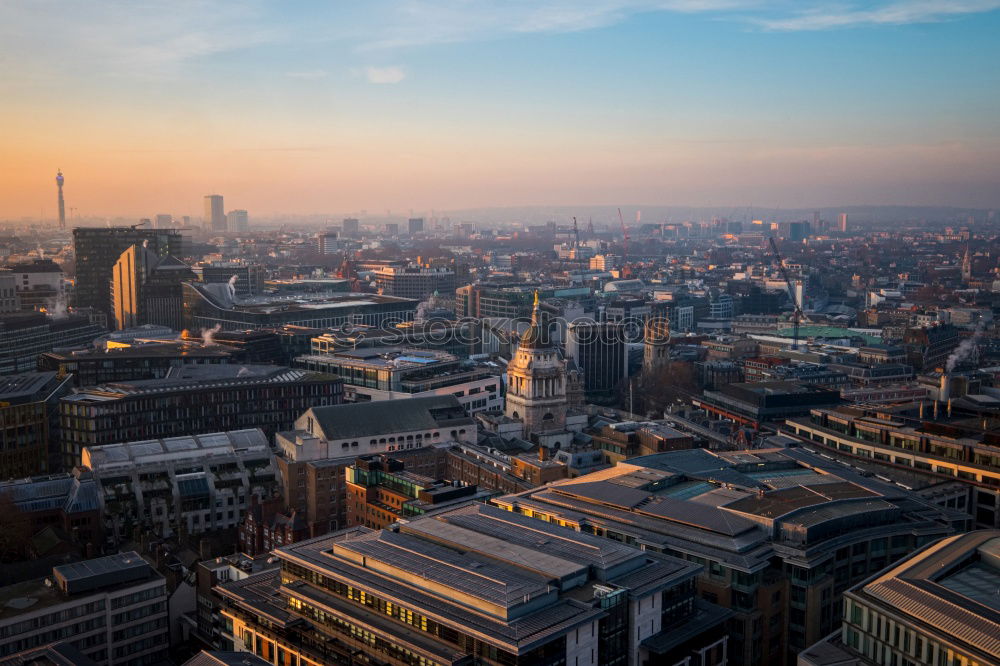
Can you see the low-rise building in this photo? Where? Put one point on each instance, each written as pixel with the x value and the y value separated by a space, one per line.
pixel 954 451
pixel 29 408
pixel 474 585
pixel 781 533
pixel 312 458
pixel 23 336
pixel 191 399
pixel 190 484
pixel 937 606
pixel 380 491
pixel 389 373
pixel 113 609
pixel 754 403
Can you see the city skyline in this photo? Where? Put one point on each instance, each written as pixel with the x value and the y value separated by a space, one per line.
pixel 420 106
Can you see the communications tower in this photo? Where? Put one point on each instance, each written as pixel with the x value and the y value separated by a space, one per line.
pixel 62 203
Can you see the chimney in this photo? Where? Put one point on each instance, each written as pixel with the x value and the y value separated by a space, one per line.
pixel 944 393
pixel 921 411
pixel 949 408
pixel 543 453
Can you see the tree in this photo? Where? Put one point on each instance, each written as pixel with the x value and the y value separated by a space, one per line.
pixel 674 381
pixel 15 537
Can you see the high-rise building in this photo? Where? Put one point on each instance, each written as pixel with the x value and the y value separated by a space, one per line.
pixel 98 249
pixel 350 225
pixel 62 203
pixel 937 606
pixel 163 221
pixel 146 289
pixel 215 217
pixel 842 222
pixel 328 242
pixel 600 349
pixel 415 225
pixel 474 585
pixel 391 229
pixel 237 221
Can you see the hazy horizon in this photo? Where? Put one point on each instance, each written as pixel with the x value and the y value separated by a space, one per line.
pixel 454 105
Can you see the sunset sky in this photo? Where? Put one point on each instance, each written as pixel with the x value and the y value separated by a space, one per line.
pixel 309 107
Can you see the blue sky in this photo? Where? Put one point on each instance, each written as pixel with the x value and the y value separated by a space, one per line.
pixel 336 106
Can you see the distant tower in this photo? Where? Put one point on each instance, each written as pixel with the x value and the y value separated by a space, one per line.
pixel 967 266
pixel 215 219
pixel 62 203
pixel 842 222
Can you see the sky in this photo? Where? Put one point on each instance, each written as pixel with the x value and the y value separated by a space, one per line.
pixel 299 107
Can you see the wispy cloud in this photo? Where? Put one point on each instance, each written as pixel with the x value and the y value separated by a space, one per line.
pixel 308 75
pixel 393 74
pixel 902 12
pixel 119 37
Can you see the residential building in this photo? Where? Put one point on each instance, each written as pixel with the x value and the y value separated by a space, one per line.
pixel 389 373
pixel 473 585
pixel 39 284
pixel 97 249
pixel 189 484
pixel 267 526
pixel 191 399
pixel 29 416
pixel 936 607
pixel 781 533
pixel 113 609
pixel 415 225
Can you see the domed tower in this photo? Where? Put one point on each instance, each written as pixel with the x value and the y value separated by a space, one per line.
pixel 536 380
pixel 656 350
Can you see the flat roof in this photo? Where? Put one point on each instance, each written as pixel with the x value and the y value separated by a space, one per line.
pixel 949 589
pixel 175 449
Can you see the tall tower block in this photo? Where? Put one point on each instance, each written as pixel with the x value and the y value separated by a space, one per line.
pixel 62 203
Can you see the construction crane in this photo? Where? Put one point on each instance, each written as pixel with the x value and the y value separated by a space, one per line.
pixel 626 269
pixel 796 306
